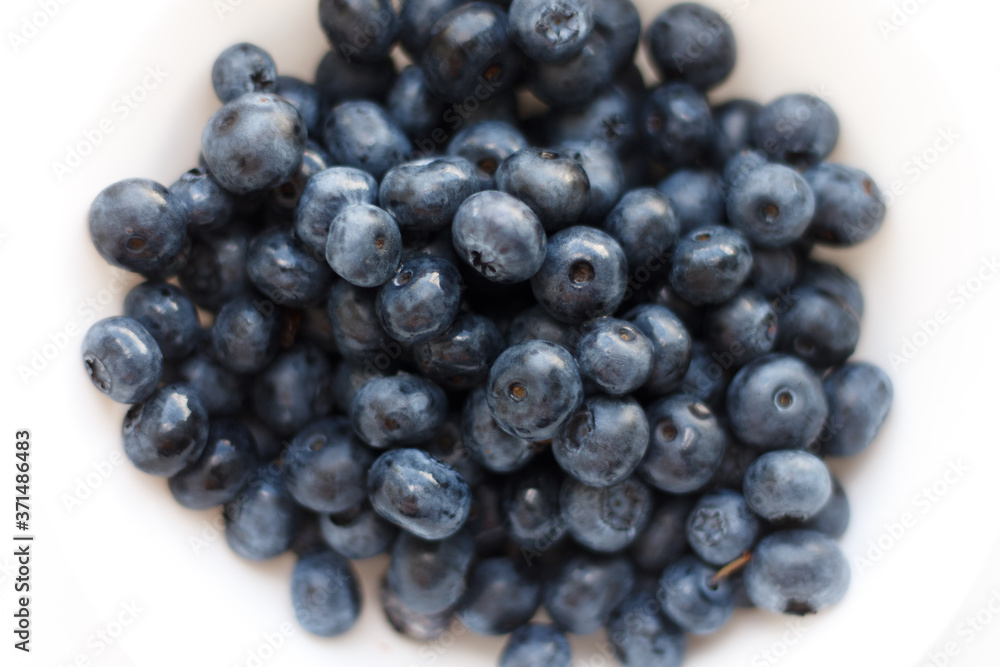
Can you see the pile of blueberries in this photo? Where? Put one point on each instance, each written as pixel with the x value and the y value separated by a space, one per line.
pixel 545 334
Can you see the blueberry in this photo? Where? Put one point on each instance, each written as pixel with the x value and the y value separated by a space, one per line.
pixel 721 527
pixel 745 327
pixel 284 199
pixel 488 444
pixel 531 512
pixel 576 80
pixel 772 205
pixel 166 432
pixel 501 597
pixel 421 301
pixel 360 134
pixel 671 345
pixel 797 572
pixel 364 246
pixel 533 389
pixel 818 328
pixel 499 236
pixel 402 409
pixel 429 577
pixel 775 270
pixel 710 264
pixel 418 493
pixel 137 225
pixel 325 594
pixel 221 390
pixel 304 97
pixel 355 327
pixel 609 518
pixel 122 359
pixel 534 323
pixel 859 395
pixel 357 532
pixel 487 144
pixel 584 275
pixel 254 142
pixel 693 599
pixel 608 117
pixel 642 637
pixel 615 356
pixel 461 357
pixel 536 645
pixel 216 268
pixel 663 539
pixel 486 523
pixel 787 485
pixel 618 22
pixel 776 402
pixel 734 123
pixel 834 283
pixel 406 621
pixel 604 171
pixel 361 29
pixel 696 198
pixel 707 376
pixel 424 195
pixel 327 194
pixel 260 522
pixel 468 51
pixel 553 185
pixel 800 130
pixel 686 445
pixel 691 43
pixel 832 520
pixel 583 592
pixel 413 106
pixel 339 79
pixel 167 314
pixel 603 443
pixel 243 68
pixel 245 334
pixel 207 205
pixel 294 389
pixel 223 469
pixel 285 271
pixel 551 30
pixel 325 466
pixel 676 125
pixel 646 226
pixel 740 166
pixel 849 206
pixel 267 445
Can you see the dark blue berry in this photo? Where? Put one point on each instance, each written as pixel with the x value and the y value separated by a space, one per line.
pixel 696 198
pixel 604 171
pixel 775 270
pixel 461 357
pixel 618 22
pixel 609 117
pixel 708 375
pixel 338 79
pixel 676 125
pixel 710 264
pixel 486 145
pixel 325 594
pixel 424 195
pixel 615 356
pixel 800 130
pixel 402 409
pixel 216 268
pixel 360 134
pixel 646 226
pixel 245 334
pixel 583 592
pixel 849 206
pixel 414 108
pixel 207 205
pixel 359 29
pixel 222 391
pixel 671 345
pixel 260 522
pixel 501 597
pixel 734 123
pixel 364 246
pixel 787 485
pixel 834 283
pixel 553 185
pixel 551 30
pixel 357 532
pixel 285 271
pixel 609 518
pixel 243 68
pixel 797 572
pixel 577 79
pixel 686 445
pixel 534 323
pixel 355 327
pixel 421 301
pixel 691 43
pixel 818 328
pixel 488 444
pixel 532 517
pixel 663 540
pixel 327 194
pixel 411 623
pixel 304 97
pixel 859 395
pixel 122 359
pixel 167 314
pixel 499 236
pixel 721 527
pixel 643 637
pixel 536 645
pixel 603 443
pixel 429 576
pixel 294 389
pixel 772 206
pixel 325 466
pixel 166 432
pixel 223 469
pixel 745 327
pixel 416 22
pixel 693 599
pixel 832 520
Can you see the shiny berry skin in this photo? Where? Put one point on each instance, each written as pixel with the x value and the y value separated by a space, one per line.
pixel 576 80
pixel 607 519
pixel 686 445
pixel 859 395
pixel 216 268
pixel 412 105
pixel 339 80
pixel 294 389
pixel 285 271
pixel 603 443
pixel 325 594
pixel 530 507
pixel 696 197
pixel 533 389
pixel 584 275
pixel 167 314
pixel 691 600
pixel 533 323
pixel 646 227
pixel 772 206
pixel 417 19
pixel 797 572
pixel 468 50
pixel 819 328
pixel 166 432
pixel 745 327
pixel 849 206
pixel 223 469
pixel 357 533
pixel 411 623
pixel 499 236
pixel 834 283
pixel 401 409
pixel 776 402
pixel 787 485
pixel 721 527
pixel 618 22
pixel 536 645
pixel 461 357
pixel 691 43
pixel 583 592
pixel 325 466
pixel 502 596
pixel 303 96
pixel 832 520
pixel 254 142
pixel 361 134
pixel 207 205
pixel 137 225
pixel 487 144
pixel 707 376
pixel 614 355
pixel 775 270
pixel 327 194
pixel 710 264
pixel 365 30
pixel 676 125
pixel 356 331
pixel 800 130
pixel 122 359
pixel 662 541
pixel 734 122
pixel 243 68
pixel 418 493
pixel 553 185
pixel 488 444
pixel 364 246
pixel 260 522
pixel 641 636
pixel 671 346
pixel 424 195
pixel 221 390
pixel 550 30
pixel 429 577
pixel 421 301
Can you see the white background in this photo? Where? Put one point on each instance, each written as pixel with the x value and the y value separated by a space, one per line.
pixel 127 543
